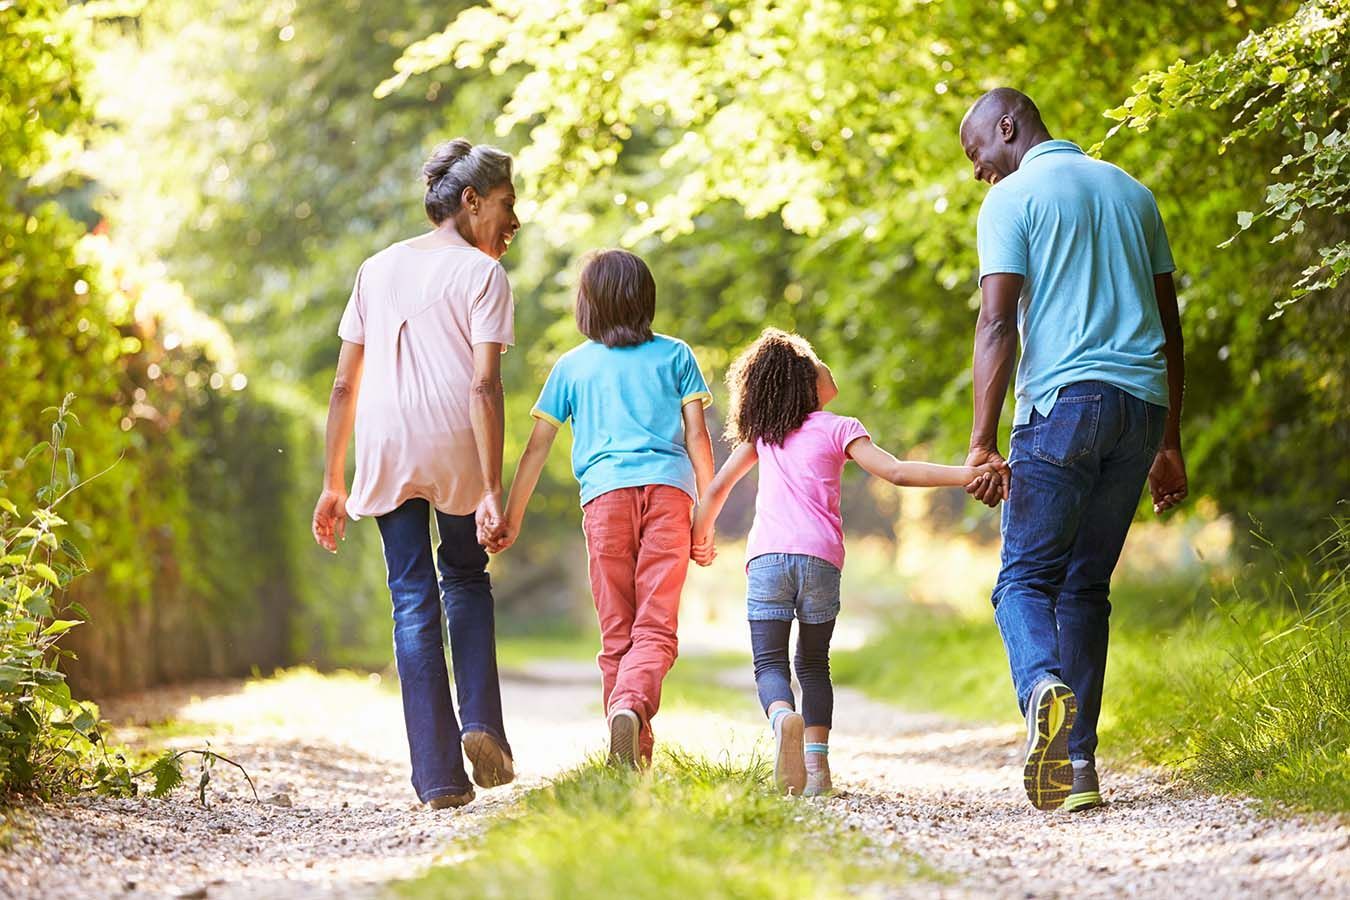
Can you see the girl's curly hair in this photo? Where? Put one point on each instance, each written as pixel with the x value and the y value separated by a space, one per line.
pixel 773 388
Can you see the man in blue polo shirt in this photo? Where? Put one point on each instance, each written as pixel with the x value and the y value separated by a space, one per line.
pixel 1074 259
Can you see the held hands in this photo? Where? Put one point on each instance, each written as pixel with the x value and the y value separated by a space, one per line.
pixel 1167 479
pixel 494 532
pixel 703 541
pixel 993 476
pixel 330 519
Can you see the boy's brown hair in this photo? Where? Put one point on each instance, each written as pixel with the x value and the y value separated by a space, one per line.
pixel 616 299
pixel 773 388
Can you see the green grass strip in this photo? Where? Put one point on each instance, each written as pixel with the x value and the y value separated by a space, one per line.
pixel 691 827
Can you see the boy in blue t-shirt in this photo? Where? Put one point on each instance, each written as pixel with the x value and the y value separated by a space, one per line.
pixel 642 454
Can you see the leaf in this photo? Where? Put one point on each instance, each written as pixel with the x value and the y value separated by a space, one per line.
pixel 168 773
pixel 1279 75
pixel 39 605
pixel 61 626
pixel 46 571
pixel 8 506
pixel 1244 219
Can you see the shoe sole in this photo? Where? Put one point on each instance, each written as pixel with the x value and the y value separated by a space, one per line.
pixel 623 739
pixel 1048 774
pixel 789 763
pixel 451 801
pixel 490 765
pixel 1083 800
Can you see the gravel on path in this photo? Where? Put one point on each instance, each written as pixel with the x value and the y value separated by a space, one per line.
pixel 339 818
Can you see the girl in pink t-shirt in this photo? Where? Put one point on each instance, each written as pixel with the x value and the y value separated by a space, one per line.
pixel 795 551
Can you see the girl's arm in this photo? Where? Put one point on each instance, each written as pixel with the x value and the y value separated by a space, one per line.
pixel 523 485
pixel 710 504
pixel 912 474
pixel 697 443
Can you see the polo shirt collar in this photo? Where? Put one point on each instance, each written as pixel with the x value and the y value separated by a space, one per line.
pixel 1045 147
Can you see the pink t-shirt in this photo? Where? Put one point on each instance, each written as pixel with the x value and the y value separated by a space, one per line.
pixel 419 312
pixel 797 508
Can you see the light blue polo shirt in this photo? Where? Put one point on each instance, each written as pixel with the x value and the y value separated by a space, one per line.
pixel 626 406
pixel 1088 239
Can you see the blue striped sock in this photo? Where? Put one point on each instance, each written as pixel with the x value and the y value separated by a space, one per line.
pixel 778 714
pixel 822 749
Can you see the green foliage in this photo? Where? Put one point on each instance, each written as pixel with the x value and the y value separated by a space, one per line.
pixel 1244 686
pixel 711 827
pixel 1290 80
pixel 49 741
pixel 797 163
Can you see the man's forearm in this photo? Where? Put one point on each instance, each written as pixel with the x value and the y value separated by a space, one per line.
pixel 995 348
pixel 487 412
pixel 1174 351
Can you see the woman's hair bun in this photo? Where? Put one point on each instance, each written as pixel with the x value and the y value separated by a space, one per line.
pixel 456 165
pixel 443 157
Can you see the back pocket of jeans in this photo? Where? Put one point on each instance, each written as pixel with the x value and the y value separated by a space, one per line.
pixel 1070 431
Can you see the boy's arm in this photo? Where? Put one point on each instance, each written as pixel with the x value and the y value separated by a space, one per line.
pixel 904 473
pixel 711 501
pixel 526 478
pixel 698 443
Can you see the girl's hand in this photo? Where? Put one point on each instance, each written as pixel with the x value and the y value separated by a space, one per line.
pixel 987 481
pixel 330 519
pixel 500 539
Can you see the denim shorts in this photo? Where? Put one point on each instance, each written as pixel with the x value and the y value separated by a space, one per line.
pixel 783 585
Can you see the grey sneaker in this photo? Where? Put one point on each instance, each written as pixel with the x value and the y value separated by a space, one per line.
pixel 1086 793
pixel 817 772
pixel 450 801
pixel 1047 774
pixel 789 758
pixel 623 738
pixel 492 766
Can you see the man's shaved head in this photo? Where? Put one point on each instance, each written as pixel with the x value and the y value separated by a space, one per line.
pixel 998 129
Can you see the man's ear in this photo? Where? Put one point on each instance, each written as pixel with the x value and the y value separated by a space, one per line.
pixel 1007 128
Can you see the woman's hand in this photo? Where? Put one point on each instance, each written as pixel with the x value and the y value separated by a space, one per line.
pixel 330 519
pixel 489 519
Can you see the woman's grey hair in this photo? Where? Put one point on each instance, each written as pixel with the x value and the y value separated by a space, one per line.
pixel 458 164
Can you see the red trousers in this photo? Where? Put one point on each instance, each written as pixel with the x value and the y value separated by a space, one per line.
pixel 637 539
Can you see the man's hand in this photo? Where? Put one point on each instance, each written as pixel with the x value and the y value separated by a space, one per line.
pixel 330 519
pixel 989 491
pixel 1167 479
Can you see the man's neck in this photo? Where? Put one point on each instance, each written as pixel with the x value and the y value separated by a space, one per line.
pixel 1032 140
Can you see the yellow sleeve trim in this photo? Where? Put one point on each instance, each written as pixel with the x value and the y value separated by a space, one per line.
pixel 702 396
pixel 540 414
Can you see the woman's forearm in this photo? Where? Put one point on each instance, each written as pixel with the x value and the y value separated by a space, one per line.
pixel 342 415
pixel 487 414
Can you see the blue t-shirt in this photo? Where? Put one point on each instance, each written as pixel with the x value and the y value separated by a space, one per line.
pixel 1088 239
pixel 625 405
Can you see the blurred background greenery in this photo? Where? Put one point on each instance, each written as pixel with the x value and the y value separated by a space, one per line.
pixel 188 187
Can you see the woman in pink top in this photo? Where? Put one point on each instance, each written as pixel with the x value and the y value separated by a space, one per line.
pixel 795 550
pixel 419 378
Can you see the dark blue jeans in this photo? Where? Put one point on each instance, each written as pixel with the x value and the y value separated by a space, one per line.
pixel 1077 475
pixel 428 713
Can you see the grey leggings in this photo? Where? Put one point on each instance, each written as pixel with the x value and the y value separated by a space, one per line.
pixel 769 643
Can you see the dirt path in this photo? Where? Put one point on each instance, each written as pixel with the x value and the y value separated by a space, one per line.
pixel 338 820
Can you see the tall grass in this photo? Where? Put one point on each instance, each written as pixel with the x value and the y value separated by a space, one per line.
pixel 695 827
pixel 1242 685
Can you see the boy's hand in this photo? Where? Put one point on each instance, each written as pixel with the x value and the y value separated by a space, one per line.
pixel 500 539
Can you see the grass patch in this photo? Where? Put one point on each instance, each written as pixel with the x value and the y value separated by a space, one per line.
pixel 1243 687
pixel 692 826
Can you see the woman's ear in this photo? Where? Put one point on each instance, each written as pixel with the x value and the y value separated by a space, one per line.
pixel 468 199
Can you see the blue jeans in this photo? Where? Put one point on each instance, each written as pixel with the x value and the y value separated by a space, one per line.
pixel 1077 475
pixel 433 732
pixel 783 586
